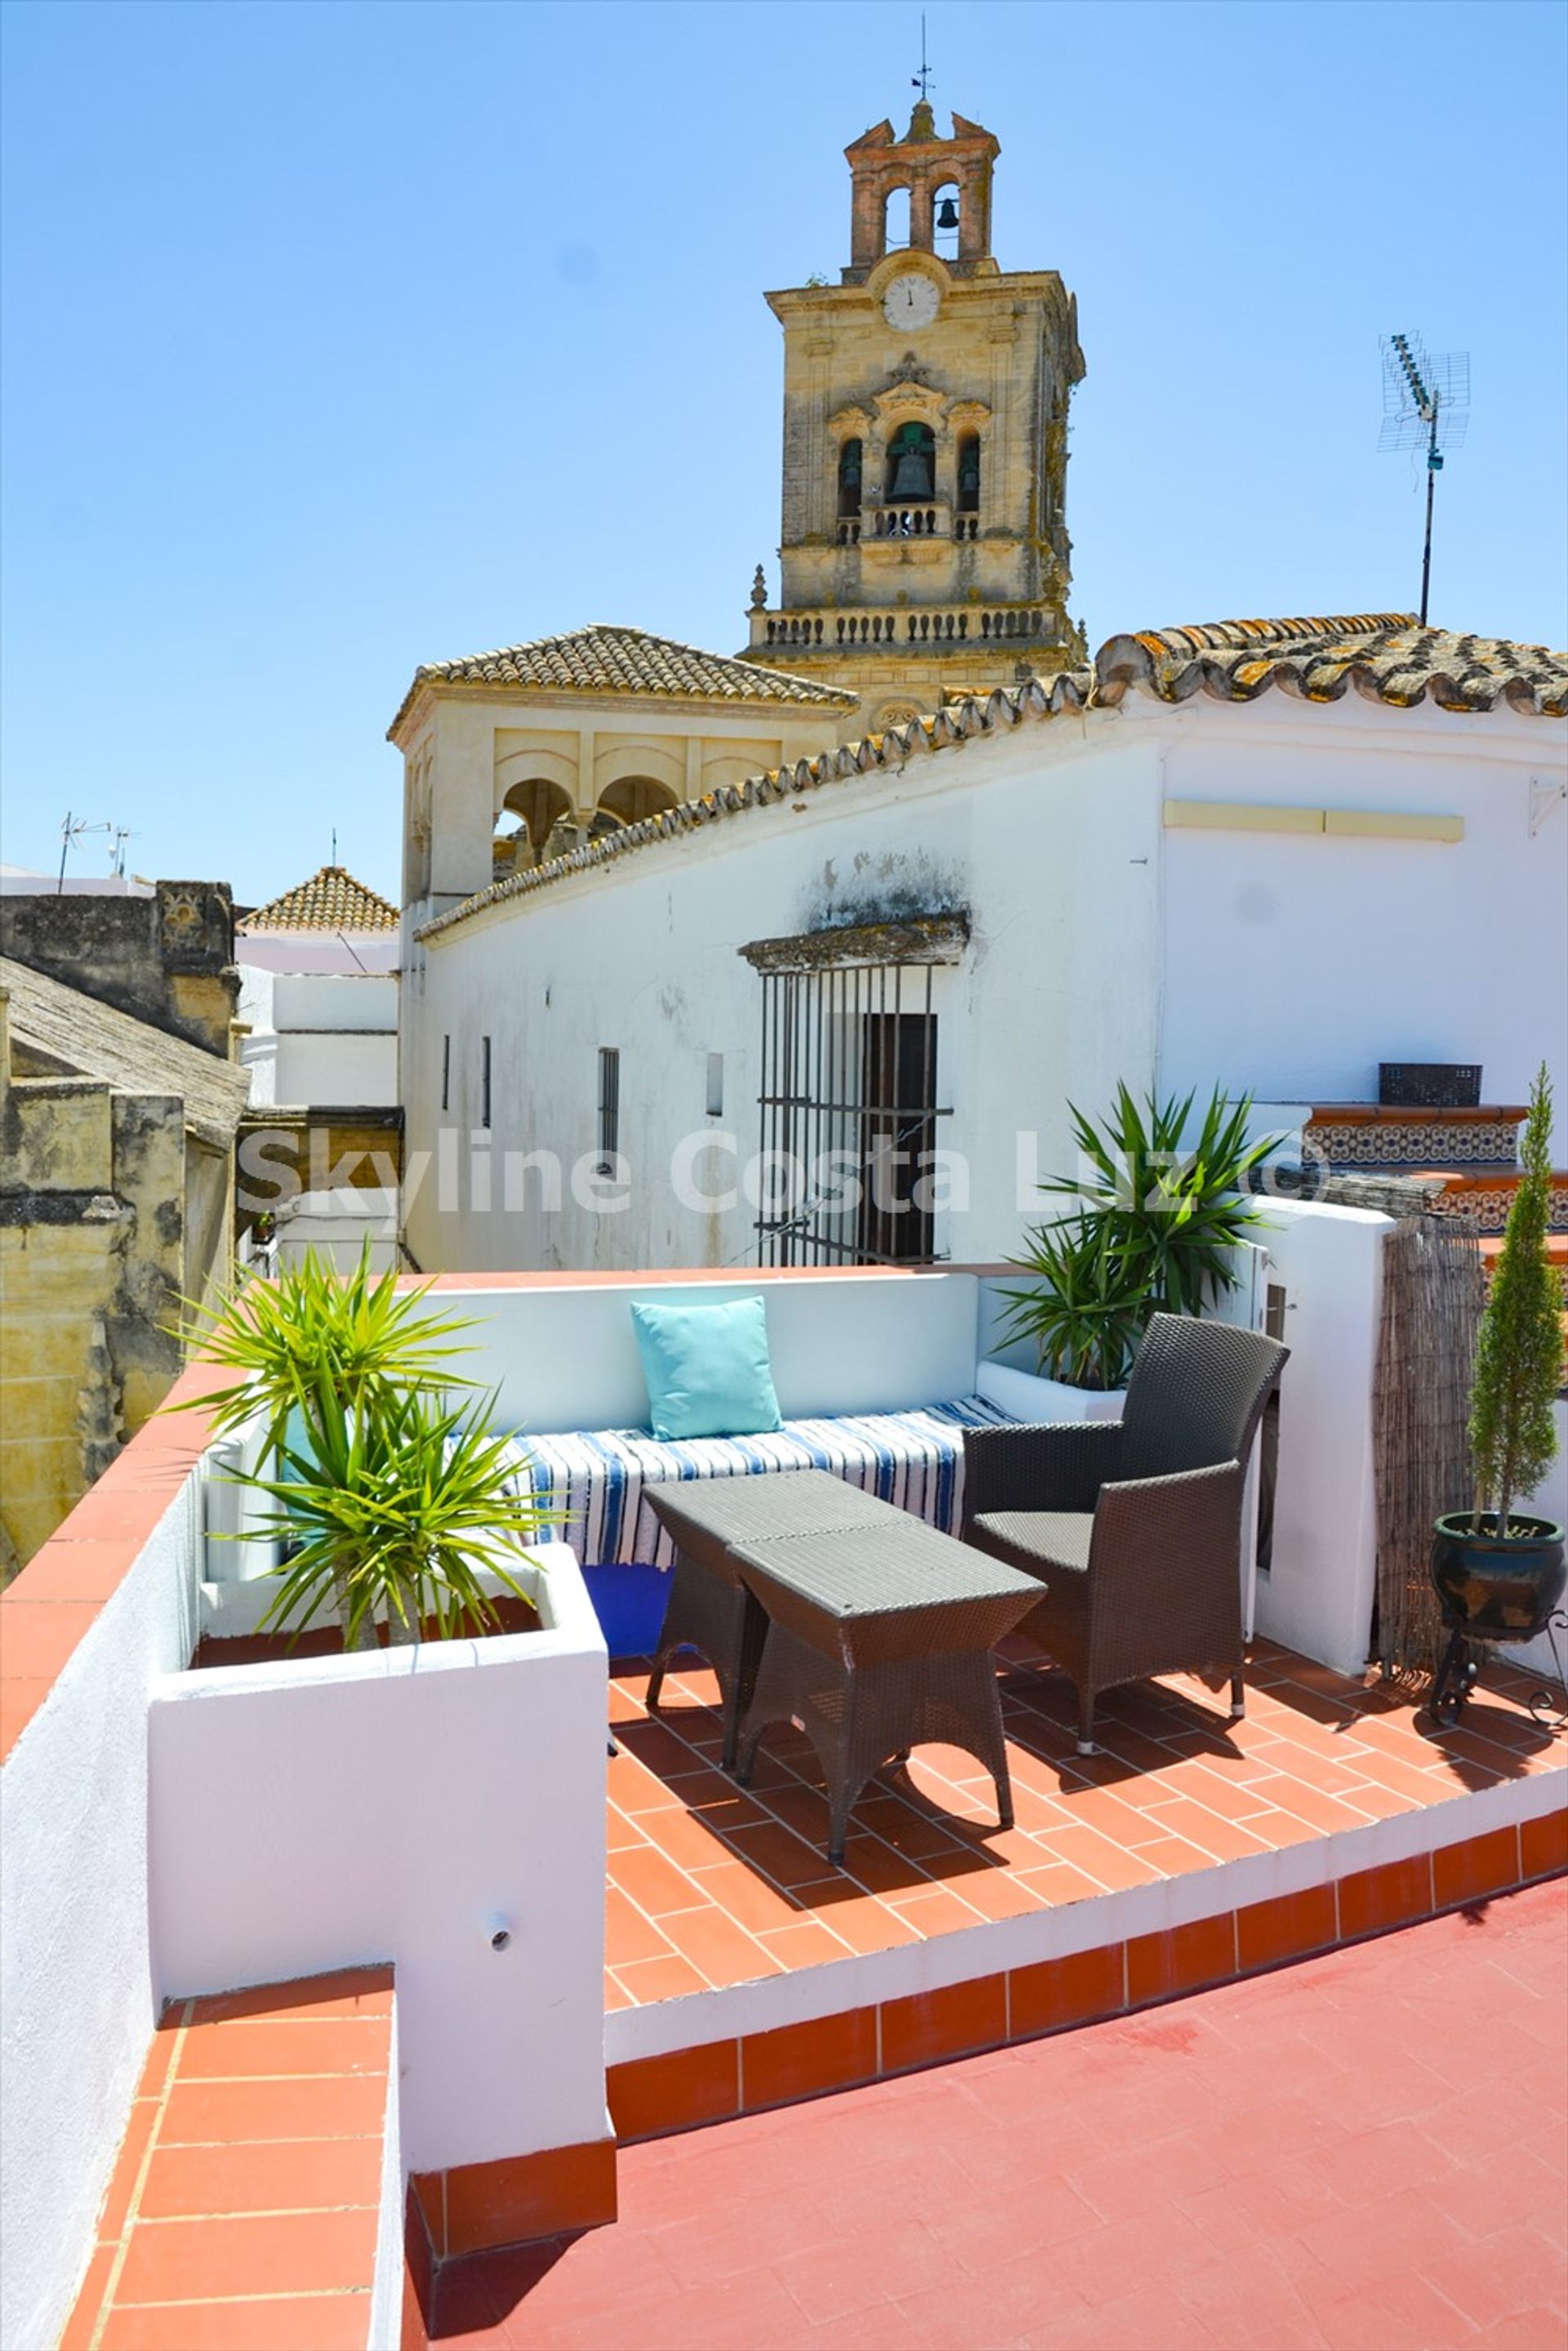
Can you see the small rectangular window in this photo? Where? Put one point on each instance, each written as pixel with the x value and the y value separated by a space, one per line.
pixel 715 1085
pixel 484 1082
pixel 446 1074
pixel 609 1108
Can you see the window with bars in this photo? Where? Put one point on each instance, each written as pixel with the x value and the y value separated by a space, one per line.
pixel 849 1099
pixel 609 1110
pixel 484 1102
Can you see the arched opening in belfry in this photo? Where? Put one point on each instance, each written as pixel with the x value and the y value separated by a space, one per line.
pixel 850 467
pixel 524 823
pixel 912 462
pixel 969 473
pixel 946 216
pixel 897 234
pixel 628 800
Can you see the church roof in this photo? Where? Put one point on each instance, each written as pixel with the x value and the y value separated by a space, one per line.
pixel 607 659
pixel 330 901
pixel 1386 656
pixel 75 1036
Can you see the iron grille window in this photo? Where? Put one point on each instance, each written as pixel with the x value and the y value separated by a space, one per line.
pixel 848 1102
pixel 609 1108
pixel 484 1082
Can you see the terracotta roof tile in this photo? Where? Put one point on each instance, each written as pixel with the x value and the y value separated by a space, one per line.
pixel 1388 657
pixel 330 901
pixel 604 659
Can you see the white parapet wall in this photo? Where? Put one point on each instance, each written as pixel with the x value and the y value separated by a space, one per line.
pixel 440 1806
pixel 77 2000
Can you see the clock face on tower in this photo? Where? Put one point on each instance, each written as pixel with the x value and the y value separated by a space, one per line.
pixel 910 301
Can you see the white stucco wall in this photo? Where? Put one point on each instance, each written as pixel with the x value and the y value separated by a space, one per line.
pixel 1295 963
pixel 1045 1004
pixel 77 1999
pixel 412 1801
pixel 326 1037
pixel 1105 945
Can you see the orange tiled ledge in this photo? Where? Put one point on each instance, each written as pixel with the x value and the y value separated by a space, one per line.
pixel 244 2205
pixel 650 2096
pixel 476 2206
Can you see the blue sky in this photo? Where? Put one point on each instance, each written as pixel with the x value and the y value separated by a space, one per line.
pixel 345 336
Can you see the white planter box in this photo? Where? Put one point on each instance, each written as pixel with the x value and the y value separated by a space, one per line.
pixel 1027 1395
pixel 409 1804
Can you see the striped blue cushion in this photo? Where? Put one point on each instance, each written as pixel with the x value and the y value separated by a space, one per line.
pixel 599 1479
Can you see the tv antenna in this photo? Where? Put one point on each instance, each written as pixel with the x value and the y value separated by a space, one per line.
pixel 71 831
pixel 1426 404
pixel 922 80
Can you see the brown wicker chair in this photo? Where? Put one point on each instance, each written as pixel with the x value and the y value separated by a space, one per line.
pixel 1133 1525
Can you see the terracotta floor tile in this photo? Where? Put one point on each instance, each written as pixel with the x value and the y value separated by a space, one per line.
pixel 693 1839
pixel 82 2326
pixel 621 1832
pixel 776 1851
pixel 1112 1866
pixel 935 1910
pixel 867 1924
pixel 654 1881
pixel 629 1935
pixel 753 1902
pixel 646 1980
pixel 200 2114
pixel 810 1943
pixel 1173 1857
pixel 276 2176
pixel 336 2322
pixel 270 2047
pixel 304 2253
pixel 1057 1883
pixel 722 1952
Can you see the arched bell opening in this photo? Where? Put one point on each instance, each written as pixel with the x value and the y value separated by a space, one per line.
pixel 946 220
pixel 969 473
pixel 897 216
pixel 628 800
pixel 912 462
pixel 525 822
pixel 851 467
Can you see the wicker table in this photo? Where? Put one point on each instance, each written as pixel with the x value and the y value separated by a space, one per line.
pixel 709 1608
pixel 878 1639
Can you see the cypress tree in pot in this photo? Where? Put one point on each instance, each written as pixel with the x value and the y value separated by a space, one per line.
pixel 1499 1570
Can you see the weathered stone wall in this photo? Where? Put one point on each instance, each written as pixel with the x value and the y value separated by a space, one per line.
pixel 108 1212
pixel 168 959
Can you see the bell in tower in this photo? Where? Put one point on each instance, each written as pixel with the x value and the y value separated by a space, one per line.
pixel 911 463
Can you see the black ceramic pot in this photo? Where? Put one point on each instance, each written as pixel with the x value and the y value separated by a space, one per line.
pixel 1499 1587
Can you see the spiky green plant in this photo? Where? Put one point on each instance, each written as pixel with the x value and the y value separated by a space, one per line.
pixel 398 1508
pixel 1519 1351
pixel 313 1332
pixel 1158 1216
pixel 386 1488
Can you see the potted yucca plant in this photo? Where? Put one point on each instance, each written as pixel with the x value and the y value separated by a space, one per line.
pixel 390 1498
pixel 1499 1570
pixel 1158 1210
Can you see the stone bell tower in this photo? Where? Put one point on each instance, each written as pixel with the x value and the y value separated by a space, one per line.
pixel 924 548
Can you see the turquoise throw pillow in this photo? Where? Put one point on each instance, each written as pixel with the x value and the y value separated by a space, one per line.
pixel 707 1369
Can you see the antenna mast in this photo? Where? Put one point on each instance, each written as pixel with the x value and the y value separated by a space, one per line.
pixel 1426 400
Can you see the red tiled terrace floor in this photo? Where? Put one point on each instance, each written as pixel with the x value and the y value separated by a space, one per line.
pixel 1331 2158
pixel 713 1885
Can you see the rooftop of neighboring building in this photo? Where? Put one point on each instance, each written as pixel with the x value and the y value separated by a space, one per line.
pixel 332 900
pixel 58 1031
pixel 607 658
